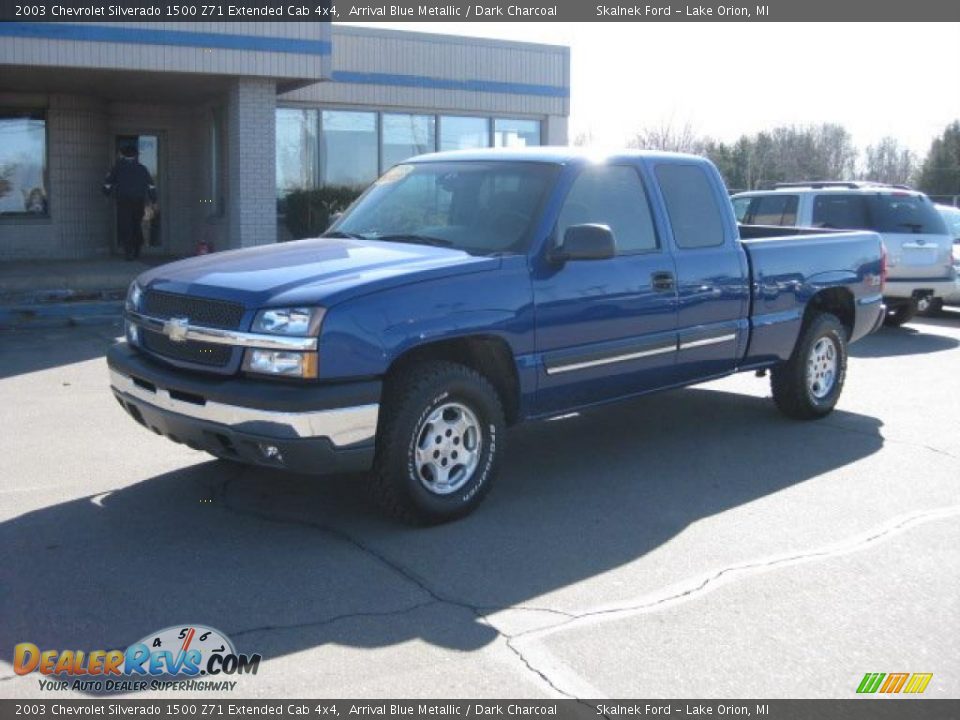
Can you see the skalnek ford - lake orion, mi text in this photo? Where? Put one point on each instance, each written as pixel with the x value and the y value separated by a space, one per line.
pixel 701 11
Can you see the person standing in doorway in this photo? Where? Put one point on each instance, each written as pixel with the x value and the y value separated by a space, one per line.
pixel 130 183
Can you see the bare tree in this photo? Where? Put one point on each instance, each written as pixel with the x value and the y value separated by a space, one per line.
pixel 668 137
pixel 889 162
pixel 584 138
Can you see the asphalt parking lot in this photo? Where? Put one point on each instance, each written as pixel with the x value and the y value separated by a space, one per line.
pixel 690 544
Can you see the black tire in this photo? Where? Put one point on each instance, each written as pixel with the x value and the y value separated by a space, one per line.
pixel 398 485
pixel 901 314
pixel 933 308
pixel 792 392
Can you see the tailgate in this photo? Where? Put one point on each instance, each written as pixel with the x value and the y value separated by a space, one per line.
pixel 916 255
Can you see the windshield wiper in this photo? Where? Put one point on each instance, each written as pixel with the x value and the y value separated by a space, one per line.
pixel 342 234
pixel 415 239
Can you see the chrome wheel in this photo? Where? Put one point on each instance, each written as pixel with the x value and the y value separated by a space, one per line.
pixel 448 448
pixel 822 368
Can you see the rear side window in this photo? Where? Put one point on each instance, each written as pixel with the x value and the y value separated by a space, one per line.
pixel 843 212
pixel 691 205
pixel 896 213
pixel 611 195
pixel 772 210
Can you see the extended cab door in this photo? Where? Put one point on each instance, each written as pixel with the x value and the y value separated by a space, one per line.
pixel 605 328
pixel 712 273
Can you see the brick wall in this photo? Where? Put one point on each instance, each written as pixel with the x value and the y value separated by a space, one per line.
pixel 251 129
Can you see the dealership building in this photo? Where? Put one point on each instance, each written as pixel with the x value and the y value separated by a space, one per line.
pixel 232 116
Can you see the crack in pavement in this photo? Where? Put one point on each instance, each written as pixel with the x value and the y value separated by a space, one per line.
pixel 478 611
pixel 753 568
pixel 572 618
pixel 895 441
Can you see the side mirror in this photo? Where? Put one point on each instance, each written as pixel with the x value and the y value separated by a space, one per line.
pixel 586 242
pixel 332 220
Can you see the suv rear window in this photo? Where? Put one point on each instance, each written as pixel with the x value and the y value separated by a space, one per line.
pixel 844 212
pixel 880 212
pixel 896 213
pixel 778 209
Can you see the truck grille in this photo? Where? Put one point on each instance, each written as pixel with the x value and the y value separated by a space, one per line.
pixel 200 311
pixel 199 353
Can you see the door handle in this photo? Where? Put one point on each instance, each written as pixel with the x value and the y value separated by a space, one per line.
pixel 662 281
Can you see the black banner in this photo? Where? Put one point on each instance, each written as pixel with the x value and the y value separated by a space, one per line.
pixel 853 709
pixel 482 11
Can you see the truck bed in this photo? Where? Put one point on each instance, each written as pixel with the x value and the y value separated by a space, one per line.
pixel 789 268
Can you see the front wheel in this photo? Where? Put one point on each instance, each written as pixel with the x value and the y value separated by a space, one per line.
pixel 439 443
pixel 808 385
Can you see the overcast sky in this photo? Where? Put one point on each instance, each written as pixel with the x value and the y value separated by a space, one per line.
pixel 725 79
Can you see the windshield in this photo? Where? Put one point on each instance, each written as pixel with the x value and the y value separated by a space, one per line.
pixel 482 208
pixel 903 213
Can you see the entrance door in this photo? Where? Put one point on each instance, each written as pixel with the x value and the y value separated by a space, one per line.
pixel 148 147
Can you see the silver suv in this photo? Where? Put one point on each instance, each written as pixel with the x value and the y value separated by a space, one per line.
pixel 919 259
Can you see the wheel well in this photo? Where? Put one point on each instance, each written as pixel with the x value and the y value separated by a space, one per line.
pixel 837 301
pixel 488 355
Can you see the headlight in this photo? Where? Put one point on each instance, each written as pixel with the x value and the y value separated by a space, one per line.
pixel 288 321
pixel 281 363
pixel 134 295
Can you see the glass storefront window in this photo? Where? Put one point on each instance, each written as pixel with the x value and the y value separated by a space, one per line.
pixel 23 163
pixel 296 150
pixel 407 135
pixel 464 133
pixel 350 153
pixel 508 132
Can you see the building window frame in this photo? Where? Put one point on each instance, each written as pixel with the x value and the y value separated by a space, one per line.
pixel 32 113
pixel 379 112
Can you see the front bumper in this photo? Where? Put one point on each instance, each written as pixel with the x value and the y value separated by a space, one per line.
pixel 317 429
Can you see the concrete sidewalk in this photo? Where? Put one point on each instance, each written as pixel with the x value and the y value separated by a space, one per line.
pixel 45 293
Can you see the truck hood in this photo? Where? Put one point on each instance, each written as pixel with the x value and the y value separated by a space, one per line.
pixel 310 272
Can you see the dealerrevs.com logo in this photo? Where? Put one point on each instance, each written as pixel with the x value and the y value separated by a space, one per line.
pixel 192 657
pixel 894 683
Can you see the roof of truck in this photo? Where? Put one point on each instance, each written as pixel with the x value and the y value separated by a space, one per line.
pixel 550 154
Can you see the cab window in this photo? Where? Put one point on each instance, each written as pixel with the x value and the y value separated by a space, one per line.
pixel 611 195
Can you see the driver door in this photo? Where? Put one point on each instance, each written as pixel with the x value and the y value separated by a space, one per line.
pixel 606 328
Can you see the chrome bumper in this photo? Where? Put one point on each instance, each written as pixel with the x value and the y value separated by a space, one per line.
pixel 342 426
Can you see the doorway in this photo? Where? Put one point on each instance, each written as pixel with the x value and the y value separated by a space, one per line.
pixel 149 155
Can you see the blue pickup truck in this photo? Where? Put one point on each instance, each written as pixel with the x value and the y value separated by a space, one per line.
pixel 464 292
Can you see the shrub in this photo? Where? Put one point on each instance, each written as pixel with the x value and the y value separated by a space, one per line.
pixel 307 212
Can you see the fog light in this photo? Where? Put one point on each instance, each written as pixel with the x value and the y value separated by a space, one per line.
pixel 281 362
pixel 132 332
pixel 270 452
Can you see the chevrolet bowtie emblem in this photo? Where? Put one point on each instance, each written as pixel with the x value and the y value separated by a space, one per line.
pixel 176 329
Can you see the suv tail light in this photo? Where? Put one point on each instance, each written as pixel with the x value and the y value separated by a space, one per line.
pixel 883 266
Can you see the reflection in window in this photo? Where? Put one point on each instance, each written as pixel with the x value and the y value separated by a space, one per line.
pixel 23 163
pixel 296 150
pixel 349 154
pixel 509 132
pixel 464 133
pixel 405 136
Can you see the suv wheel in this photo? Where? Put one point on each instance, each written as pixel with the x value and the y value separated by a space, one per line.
pixel 439 443
pixel 901 314
pixel 929 306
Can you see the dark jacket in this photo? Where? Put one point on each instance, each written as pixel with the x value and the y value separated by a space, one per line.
pixel 130 180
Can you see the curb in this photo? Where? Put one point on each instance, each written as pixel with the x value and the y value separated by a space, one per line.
pixel 48 315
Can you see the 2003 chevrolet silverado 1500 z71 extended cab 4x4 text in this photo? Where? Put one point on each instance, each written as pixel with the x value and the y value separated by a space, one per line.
pixel 467 291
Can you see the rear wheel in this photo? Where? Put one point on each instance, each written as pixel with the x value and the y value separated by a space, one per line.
pixel 439 443
pixel 808 385
pixel 900 314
